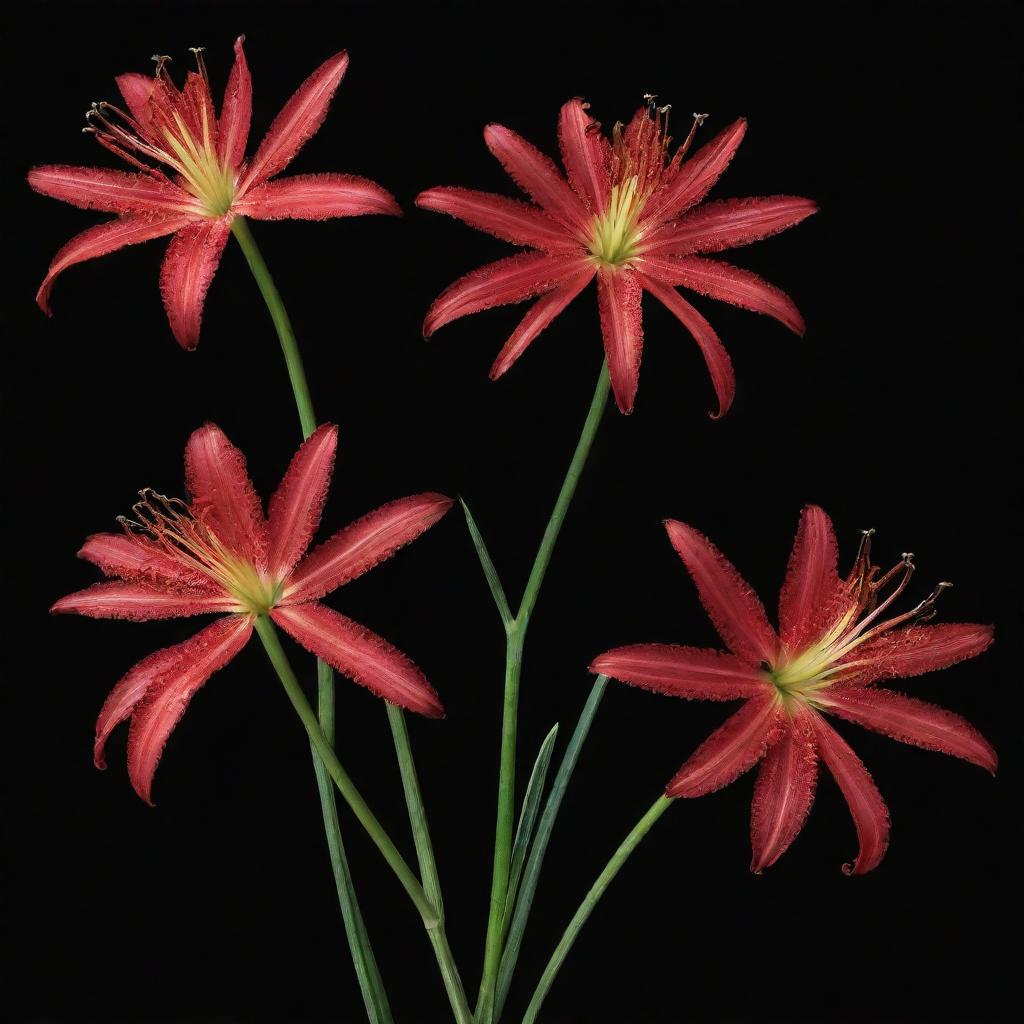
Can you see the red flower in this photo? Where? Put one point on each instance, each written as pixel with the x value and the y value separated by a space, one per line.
pixel 629 215
pixel 219 554
pixel 207 181
pixel 833 645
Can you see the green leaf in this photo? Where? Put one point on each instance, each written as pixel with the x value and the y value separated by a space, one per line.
pixel 490 573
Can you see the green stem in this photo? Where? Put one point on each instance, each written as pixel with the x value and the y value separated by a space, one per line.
pixel 516 635
pixel 370 982
pixel 629 844
pixel 431 916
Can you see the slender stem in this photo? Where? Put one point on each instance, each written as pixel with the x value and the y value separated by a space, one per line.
pixel 516 634
pixel 611 869
pixel 370 982
pixel 283 325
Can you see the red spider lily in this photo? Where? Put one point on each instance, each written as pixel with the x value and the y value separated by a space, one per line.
pixel 192 177
pixel 628 214
pixel 833 645
pixel 219 553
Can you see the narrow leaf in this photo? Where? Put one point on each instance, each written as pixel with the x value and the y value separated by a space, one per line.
pixel 490 573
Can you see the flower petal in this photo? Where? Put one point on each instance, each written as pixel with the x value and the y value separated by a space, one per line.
pixel 730 750
pixel 731 604
pixel 97 188
pixel 185 275
pixel 697 175
pixel 363 544
pixel 538 316
pixel 140 602
pixel 223 494
pixel 729 284
pixel 619 298
pixel 316 197
pixel 783 793
pixel 300 119
pixel 102 239
pixel 911 721
pixel 728 223
pixel 140 560
pixel 583 153
pixel 295 508
pixel 159 711
pixel 137 90
pixel 537 175
pixel 514 221
pixel 236 110
pixel 870 815
pixel 719 365
pixel 693 673
pixel 914 650
pixel 498 284
pixel 812 588
pixel 361 655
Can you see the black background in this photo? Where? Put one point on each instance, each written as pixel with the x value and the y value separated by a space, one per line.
pixel 894 412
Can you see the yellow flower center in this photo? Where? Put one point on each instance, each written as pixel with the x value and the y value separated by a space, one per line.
pixel 614 236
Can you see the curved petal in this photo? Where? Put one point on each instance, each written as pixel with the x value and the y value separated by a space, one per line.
pixel 159 711
pixel 140 560
pixel 693 673
pixel 223 495
pixel 911 721
pixel 236 110
pixel 619 298
pixel 316 197
pixel 914 650
pixel 731 604
pixel 509 219
pixel 185 275
pixel 583 153
pixel 783 793
pixel 299 120
pixel 136 90
pixel 537 175
pixel 363 544
pixel 538 316
pixel 97 188
pixel 102 239
pixel 729 284
pixel 812 588
pixel 696 176
pixel 363 656
pixel 728 223
pixel 140 602
pixel 870 815
pixel 730 750
pixel 295 508
pixel 498 284
pixel 717 360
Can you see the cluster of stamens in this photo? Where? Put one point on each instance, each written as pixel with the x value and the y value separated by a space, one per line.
pixel 186 538
pixel 639 163
pixel 822 663
pixel 180 134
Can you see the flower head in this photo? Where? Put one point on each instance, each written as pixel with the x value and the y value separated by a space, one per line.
pixel 218 553
pixel 626 213
pixel 837 638
pixel 190 177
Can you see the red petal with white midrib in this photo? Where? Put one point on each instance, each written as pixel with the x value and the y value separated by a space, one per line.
pixel 870 815
pixel 167 697
pixel 296 505
pixel 911 721
pixel 300 118
pixel 97 188
pixel 783 793
pixel 236 111
pixel 363 544
pixel 316 197
pixel 619 300
pixel 361 655
pixel 731 604
pixel 689 672
pixel 730 750
pixel 185 275
pixel 914 650
pixel 140 602
pixel 140 560
pixel 583 154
